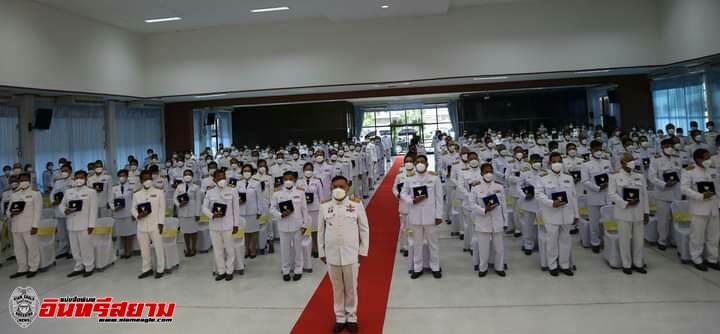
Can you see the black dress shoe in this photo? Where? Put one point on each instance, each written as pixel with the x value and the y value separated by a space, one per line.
pixel 528 252
pixel 415 274
pixel 297 277
pixel 352 327
pixel 437 274
pixel 500 273
pixel 145 274
pixel 554 272
pixel 567 272
pixel 31 274
pixel 574 231
pixel 627 271
pixel 18 274
pixel 462 237
pixel 338 327
pixel 309 271
pixel 715 265
pixel 159 275
pixel 700 266
pixel 241 272
pixel 75 273
pixel 596 249
pixel 517 234
pixel 228 277
pixel 220 277
pixel 639 270
pixel 405 253
pixel 286 278
pixel 88 273
pixel 662 247
pixel 315 255
pixel 60 256
pixel 253 256
pixel 68 256
pixel 482 273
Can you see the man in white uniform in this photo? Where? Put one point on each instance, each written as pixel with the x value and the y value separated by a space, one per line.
pixel 343 241
pixel 222 205
pixel 80 208
pixel 148 209
pixel 595 176
pixel 23 224
pixel 289 208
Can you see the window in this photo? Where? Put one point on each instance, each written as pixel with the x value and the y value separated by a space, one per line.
pixel 8 134
pixel 679 101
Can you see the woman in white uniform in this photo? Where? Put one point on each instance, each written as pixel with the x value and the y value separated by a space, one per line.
pixel 119 202
pixel 187 201
pixel 252 205
pixel 312 185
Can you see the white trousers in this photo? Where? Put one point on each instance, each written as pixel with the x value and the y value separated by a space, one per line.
pixel 144 239
pixel 27 251
pixel 664 223
pixel 344 284
pixel 223 250
pixel 485 239
pixel 403 231
pixel 427 233
pixel 558 246
pixel 291 244
pixel 632 238
pixel 82 249
pixel 529 230
pixel 594 215
pixel 63 244
pixel 704 237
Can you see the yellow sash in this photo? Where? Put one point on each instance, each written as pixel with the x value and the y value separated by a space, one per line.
pixel 539 221
pixel 169 233
pixel 103 230
pixel 610 226
pixel 204 220
pixel 682 217
pixel 584 212
pixel 169 212
pixel 263 220
pixel 509 201
pixel 239 235
pixel 45 231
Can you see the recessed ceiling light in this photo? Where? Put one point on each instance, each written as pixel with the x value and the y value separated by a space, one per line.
pixel 590 72
pixel 211 95
pixel 490 78
pixel 163 19
pixel 272 9
pixel 384 6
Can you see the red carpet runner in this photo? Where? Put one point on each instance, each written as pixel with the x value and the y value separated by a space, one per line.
pixel 375 271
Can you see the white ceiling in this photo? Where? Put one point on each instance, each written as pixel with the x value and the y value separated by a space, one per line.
pixel 198 14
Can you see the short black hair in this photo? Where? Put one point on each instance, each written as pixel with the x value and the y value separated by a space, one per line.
pixel 145 173
pixel 596 144
pixel 81 172
pixel 291 173
pixel 123 171
pixel 339 177
pixel 309 164
pixel 699 153
pixel 554 154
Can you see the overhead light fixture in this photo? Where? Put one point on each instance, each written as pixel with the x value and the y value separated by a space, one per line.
pixel 271 9
pixel 207 96
pixel 489 78
pixel 163 19
pixel 591 72
pixel 384 6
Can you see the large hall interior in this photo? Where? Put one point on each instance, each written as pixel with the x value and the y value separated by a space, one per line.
pixel 491 166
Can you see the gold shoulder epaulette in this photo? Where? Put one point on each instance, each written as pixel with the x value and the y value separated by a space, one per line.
pixel 355 199
pixel 658 156
pixel 525 169
pixel 433 173
pixel 691 167
pixel 543 173
pixel 466 168
pixel 411 173
pixel 298 188
pixel 325 201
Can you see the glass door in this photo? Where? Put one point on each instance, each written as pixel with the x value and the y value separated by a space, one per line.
pixel 401 136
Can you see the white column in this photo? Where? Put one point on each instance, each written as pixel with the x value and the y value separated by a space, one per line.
pixel 111 163
pixel 26 117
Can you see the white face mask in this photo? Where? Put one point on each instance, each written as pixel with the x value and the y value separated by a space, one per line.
pixel 598 154
pixel 17 171
pixel 583 141
pixel 319 158
pixel 64 175
pixel 23 185
pixel 338 194
pixel 280 161
pixel 668 151
pixel 670 132
pixel 29 169
pixel 474 163
pixel 464 157
pixel 698 138
pixel 409 166
pixel 79 182
pixel 211 171
pixel 221 183
pixel 556 167
pixel 630 164
pixel 122 179
pixel 295 156
pixel 262 170
pixel 536 165
pixel 234 166
pixel 289 184
pixel 488 177
pixel 133 168
pixel 572 153
pixel 247 175
pixel 187 178
pixel 308 173
pixel 518 156
pixel 677 147
pixel 98 170
pixel 490 145
pixel 147 184
pixel 421 168
pixel 644 144
pixel 333 157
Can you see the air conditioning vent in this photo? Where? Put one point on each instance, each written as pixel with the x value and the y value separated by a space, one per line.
pixel 81 100
pixel 140 104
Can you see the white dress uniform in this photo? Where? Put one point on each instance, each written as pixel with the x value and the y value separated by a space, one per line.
pixel 629 218
pixel 148 227
pixel 290 226
pixel 661 165
pixel 187 214
pixel 596 197
pixel 324 172
pixel 704 230
pixel 557 220
pixel 27 250
pixel 403 207
pixel 78 223
pixel 513 171
pixel 529 178
pixel 63 242
pixel 122 217
pixel 422 216
pixel 221 229
pixel 344 234
pixel 488 226
pixel 105 180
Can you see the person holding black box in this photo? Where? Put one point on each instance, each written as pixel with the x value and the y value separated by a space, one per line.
pixel 289 208
pixel 514 169
pixel 63 182
pixel 664 174
pixel 489 212
pixel 80 208
pixel 148 209
pixel 222 205
pixel 313 187
pixel 556 195
pixel 187 199
pixel 595 177
pixel 101 181
pixel 424 194
pixel 24 210
pixel 699 184
pixel 628 190
pixel 528 203
pixel 253 205
pixel 119 201
pixel 402 174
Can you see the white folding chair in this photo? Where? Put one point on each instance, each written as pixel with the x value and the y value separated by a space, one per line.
pixel 584 223
pixel 103 244
pixel 611 241
pixel 239 239
pixel 170 248
pixel 681 229
pixel 651 232
pixel 204 244
pixel 46 242
pixel 47 213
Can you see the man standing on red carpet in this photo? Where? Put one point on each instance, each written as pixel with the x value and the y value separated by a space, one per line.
pixel 343 240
